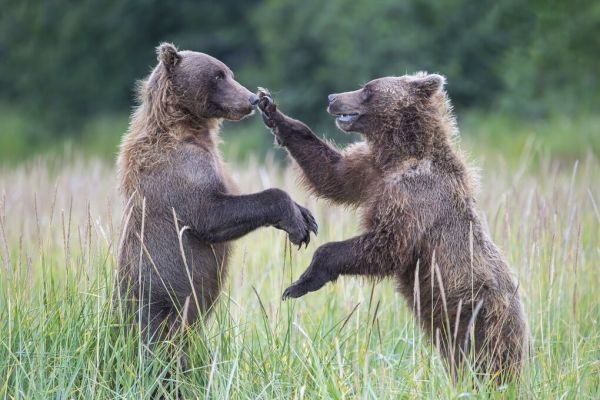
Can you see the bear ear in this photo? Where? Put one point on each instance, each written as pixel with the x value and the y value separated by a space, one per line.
pixel 168 55
pixel 428 84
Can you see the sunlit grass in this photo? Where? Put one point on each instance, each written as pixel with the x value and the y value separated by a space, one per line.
pixel 59 227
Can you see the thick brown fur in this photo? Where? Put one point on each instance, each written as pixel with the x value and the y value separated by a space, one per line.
pixel 183 209
pixel 421 224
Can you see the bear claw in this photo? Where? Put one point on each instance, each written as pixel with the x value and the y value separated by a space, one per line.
pixel 292 292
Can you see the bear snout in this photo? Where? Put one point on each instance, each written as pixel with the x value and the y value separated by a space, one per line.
pixel 253 99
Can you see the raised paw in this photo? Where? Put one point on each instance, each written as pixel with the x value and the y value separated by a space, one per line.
pixel 294 291
pixel 267 107
pixel 300 225
pixel 300 235
pixel 265 101
pixel 314 278
pixel 310 221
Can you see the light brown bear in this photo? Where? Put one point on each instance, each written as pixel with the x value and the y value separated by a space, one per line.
pixel 421 224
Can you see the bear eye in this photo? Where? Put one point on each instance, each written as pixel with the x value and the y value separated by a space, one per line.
pixel 220 75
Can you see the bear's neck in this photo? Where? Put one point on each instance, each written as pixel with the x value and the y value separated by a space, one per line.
pixel 177 126
pixel 416 135
pixel 201 131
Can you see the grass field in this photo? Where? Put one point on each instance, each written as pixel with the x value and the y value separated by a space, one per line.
pixel 59 229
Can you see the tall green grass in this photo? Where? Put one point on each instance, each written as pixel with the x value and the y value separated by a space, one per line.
pixel 59 228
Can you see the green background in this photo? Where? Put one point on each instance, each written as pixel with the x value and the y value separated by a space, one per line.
pixel 68 69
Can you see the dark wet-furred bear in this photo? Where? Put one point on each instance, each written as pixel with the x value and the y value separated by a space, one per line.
pixel 182 208
pixel 421 225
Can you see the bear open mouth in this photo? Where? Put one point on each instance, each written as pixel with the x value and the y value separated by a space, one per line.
pixel 346 117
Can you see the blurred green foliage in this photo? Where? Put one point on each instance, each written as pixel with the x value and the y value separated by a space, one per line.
pixel 67 67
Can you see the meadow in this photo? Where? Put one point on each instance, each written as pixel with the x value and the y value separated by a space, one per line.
pixel 59 230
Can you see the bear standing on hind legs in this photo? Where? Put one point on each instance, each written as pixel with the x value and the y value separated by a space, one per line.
pixel 183 209
pixel 421 225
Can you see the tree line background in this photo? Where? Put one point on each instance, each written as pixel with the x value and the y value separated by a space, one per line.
pixel 68 69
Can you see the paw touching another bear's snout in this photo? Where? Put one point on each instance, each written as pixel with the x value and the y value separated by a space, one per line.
pixel 267 106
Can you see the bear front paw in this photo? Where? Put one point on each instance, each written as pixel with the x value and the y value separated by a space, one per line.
pixel 314 278
pixel 265 100
pixel 267 107
pixel 293 292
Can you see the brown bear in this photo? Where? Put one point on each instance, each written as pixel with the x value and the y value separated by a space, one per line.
pixel 421 224
pixel 182 208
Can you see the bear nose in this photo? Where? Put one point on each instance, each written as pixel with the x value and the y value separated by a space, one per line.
pixel 331 98
pixel 253 99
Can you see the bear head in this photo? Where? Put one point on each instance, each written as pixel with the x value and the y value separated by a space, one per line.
pixel 392 110
pixel 198 85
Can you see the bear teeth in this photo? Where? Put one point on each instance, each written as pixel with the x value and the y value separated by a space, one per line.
pixel 346 117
